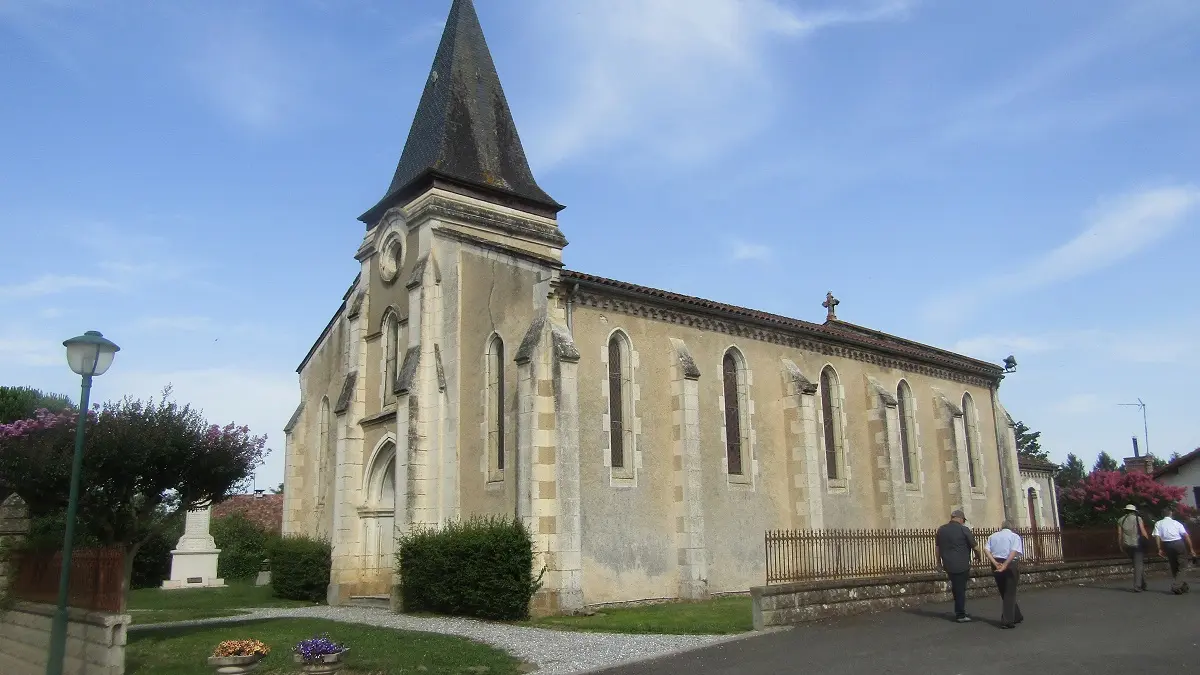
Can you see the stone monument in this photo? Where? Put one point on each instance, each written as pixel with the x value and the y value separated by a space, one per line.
pixel 194 560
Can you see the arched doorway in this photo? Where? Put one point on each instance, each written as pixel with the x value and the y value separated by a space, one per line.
pixel 379 510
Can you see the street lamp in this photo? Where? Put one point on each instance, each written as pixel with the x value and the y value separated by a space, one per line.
pixel 89 355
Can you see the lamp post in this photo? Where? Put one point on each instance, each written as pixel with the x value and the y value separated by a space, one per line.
pixel 88 355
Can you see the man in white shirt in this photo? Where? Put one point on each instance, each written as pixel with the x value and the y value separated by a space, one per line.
pixel 1004 549
pixel 1171 536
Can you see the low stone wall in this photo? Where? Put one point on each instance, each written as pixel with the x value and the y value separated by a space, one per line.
pixel 95 641
pixel 787 604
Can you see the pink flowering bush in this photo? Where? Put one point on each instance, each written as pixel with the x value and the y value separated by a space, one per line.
pixel 1101 497
pixel 144 462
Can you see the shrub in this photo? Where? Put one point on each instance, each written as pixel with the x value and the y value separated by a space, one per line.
pixel 151 563
pixel 243 546
pixel 1100 498
pixel 482 567
pixel 300 568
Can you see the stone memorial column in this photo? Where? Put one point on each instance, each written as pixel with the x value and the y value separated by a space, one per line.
pixel 194 560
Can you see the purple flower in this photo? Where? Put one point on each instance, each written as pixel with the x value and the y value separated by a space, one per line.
pixel 316 647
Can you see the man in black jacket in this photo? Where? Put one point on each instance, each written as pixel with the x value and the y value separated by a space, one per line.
pixel 955 546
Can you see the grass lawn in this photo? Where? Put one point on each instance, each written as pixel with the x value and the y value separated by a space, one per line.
pixel 719 616
pixel 373 651
pixel 154 605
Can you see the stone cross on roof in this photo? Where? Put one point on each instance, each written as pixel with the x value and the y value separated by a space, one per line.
pixel 831 304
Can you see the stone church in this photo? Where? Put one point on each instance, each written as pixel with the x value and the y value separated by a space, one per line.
pixel 648 439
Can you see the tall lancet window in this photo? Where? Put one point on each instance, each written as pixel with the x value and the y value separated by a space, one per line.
pixel 495 403
pixel 831 421
pixel 620 401
pixel 391 348
pixel 733 374
pixel 908 445
pixel 971 430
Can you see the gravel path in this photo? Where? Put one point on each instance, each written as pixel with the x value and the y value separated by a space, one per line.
pixel 555 652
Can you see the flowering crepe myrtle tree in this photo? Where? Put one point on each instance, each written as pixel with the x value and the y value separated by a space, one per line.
pixel 1101 497
pixel 143 464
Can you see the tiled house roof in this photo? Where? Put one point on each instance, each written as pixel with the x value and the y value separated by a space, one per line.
pixel 265 511
pixel 1031 464
pixel 1174 467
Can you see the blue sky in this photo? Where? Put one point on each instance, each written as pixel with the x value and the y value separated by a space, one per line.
pixel 996 178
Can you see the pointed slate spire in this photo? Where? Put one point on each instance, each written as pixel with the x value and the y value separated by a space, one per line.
pixel 463 135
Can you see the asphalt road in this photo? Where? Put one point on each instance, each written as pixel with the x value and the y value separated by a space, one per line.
pixel 1089 630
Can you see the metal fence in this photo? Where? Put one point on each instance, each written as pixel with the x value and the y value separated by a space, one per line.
pixel 806 555
pixel 97 578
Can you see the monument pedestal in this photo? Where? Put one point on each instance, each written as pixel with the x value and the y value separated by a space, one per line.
pixel 194 560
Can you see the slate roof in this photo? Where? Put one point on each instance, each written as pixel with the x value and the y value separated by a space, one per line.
pixel 837 331
pixel 463 132
pixel 1174 467
pixel 1031 464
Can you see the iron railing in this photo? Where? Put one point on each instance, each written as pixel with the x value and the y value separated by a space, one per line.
pixel 97 578
pixel 806 555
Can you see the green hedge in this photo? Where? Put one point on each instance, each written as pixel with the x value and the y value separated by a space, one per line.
pixel 482 567
pixel 300 568
pixel 151 564
pixel 243 546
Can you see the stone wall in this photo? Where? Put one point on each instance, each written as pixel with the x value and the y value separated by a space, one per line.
pixel 788 604
pixel 95 641
pixel 14 525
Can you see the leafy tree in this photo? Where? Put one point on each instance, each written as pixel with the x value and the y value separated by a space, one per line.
pixel 1160 462
pixel 1104 462
pixel 1072 472
pixel 1101 497
pixel 1029 443
pixel 143 463
pixel 278 490
pixel 21 403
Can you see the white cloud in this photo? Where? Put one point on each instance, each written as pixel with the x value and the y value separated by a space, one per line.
pixel 52 284
pixel 1117 229
pixel 994 347
pixel 681 79
pixel 249 70
pixel 1078 404
pixel 747 251
pixel 23 351
pixel 173 323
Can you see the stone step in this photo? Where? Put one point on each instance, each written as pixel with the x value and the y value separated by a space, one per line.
pixel 379 601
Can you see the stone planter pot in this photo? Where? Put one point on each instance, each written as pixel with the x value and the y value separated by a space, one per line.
pixel 233 665
pixel 330 663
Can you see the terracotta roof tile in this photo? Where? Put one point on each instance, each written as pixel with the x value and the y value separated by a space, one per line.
pixel 836 331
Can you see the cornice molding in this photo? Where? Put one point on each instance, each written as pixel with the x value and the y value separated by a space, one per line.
pixel 434 205
pixel 746 329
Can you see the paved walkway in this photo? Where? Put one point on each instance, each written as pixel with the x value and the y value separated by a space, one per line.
pixel 1084 630
pixel 555 652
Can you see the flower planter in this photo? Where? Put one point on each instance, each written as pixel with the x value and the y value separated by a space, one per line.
pixel 328 663
pixel 233 665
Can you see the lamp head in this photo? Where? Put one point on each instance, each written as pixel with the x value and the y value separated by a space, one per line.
pixel 1010 363
pixel 90 354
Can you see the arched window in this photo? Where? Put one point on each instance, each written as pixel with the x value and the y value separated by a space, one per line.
pixel 321 460
pixel 1033 519
pixel 831 415
pixel 908 445
pixel 970 429
pixel 620 398
pixel 391 350
pixel 495 403
pixel 733 373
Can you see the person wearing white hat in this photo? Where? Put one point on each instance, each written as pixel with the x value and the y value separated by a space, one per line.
pixel 1132 538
